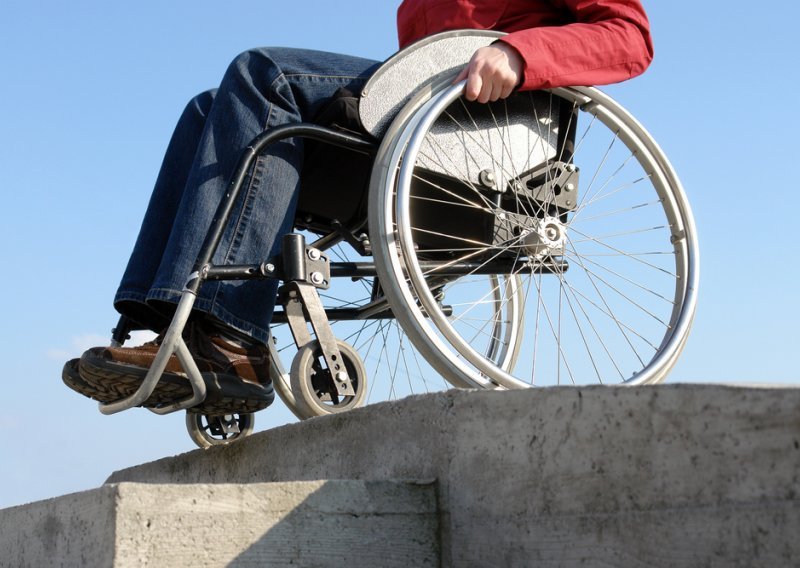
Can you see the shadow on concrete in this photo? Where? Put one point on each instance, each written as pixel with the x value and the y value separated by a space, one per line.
pixel 345 523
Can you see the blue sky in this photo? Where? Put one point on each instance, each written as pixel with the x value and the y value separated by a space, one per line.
pixel 89 92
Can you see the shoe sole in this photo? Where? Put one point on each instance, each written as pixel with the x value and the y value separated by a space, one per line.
pixel 225 394
pixel 71 376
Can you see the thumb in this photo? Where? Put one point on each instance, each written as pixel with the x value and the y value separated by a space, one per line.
pixel 462 75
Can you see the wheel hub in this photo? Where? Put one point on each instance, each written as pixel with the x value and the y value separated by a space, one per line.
pixel 546 238
pixel 223 425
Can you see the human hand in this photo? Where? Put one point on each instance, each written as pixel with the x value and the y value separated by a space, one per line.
pixel 492 73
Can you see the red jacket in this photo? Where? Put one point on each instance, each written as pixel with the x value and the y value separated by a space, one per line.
pixel 563 42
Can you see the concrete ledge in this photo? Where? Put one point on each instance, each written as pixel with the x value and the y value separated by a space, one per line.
pixel 322 523
pixel 74 530
pixel 671 475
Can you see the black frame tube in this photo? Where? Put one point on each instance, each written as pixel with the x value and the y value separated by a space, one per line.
pixel 444 268
pixel 368 270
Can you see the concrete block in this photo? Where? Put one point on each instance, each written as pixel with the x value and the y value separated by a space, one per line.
pixel 316 523
pixel 669 475
pixel 73 530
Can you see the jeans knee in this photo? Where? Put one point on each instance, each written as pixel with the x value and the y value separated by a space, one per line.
pixel 201 104
pixel 253 67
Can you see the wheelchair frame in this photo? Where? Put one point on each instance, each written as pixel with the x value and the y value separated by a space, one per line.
pixel 305 269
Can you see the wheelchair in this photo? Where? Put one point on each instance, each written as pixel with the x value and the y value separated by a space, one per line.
pixel 540 240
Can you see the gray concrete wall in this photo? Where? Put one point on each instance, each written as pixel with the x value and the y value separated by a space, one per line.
pixel 74 530
pixel 672 475
pixel 322 524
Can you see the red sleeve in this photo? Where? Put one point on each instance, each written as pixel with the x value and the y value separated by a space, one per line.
pixel 609 42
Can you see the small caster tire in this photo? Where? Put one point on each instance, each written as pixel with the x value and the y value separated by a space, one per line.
pixel 218 429
pixel 313 385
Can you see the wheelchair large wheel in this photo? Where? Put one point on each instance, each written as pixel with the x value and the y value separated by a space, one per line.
pixel 394 366
pixel 563 192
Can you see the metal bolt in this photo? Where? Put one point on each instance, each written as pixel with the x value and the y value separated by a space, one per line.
pixel 569 203
pixel 571 167
pixel 570 187
pixel 341 376
pixel 314 254
pixel 317 278
pixel 270 267
pixel 486 177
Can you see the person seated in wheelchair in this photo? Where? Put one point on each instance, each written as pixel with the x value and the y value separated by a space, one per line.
pixel 550 43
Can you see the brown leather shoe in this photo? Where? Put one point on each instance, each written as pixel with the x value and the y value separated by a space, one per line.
pixel 237 379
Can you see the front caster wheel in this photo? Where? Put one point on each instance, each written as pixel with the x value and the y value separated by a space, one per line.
pixel 218 430
pixel 313 384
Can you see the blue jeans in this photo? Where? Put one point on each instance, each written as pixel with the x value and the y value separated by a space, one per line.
pixel 262 88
